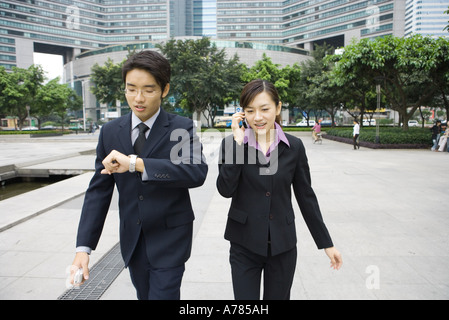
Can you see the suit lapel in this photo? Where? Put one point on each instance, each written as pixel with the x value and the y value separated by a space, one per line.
pixel 124 134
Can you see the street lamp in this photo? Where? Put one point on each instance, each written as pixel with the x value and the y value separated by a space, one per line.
pixel 378 80
pixel 377 111
pixel 84 104
pixel 29 118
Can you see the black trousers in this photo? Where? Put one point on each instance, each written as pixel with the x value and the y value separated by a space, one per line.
pixel 153 283
pixel 355 140
pixel 247 267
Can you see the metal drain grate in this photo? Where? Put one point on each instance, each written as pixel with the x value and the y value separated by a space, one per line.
pixel 101 276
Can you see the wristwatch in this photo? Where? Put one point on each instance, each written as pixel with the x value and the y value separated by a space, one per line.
pixel 132 163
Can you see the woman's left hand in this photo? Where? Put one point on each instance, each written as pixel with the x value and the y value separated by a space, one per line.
pixel 335 256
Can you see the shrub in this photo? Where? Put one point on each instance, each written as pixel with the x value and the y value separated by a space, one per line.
pixel 388 135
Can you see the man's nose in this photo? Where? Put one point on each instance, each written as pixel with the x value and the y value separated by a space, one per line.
pixel 139 96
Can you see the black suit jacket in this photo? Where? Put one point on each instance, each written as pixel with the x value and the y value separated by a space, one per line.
pixel 160 207
pixel 261 204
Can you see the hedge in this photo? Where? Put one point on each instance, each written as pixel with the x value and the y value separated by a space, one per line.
pixel 390 137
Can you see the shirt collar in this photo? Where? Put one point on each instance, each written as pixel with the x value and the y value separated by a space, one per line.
pixel 250 138
pixel 135 121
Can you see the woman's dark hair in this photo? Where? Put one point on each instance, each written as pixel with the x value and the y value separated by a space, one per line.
pixel 150 61
pixel 255 87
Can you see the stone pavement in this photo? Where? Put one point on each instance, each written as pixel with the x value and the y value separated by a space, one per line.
pixel 386 211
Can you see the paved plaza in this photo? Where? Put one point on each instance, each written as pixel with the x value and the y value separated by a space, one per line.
pixel 386 211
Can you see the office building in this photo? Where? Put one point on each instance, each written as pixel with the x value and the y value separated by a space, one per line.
pixel 284 29
pixel 72 27
pixel 426 17
pixel 302 23
pixel 205 18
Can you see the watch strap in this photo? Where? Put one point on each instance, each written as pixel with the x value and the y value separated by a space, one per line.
pixel 132 163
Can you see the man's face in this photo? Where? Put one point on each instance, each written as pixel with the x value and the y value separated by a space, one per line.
pixel 143 94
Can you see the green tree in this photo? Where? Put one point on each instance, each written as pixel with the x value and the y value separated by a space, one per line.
pixel 409 69
pixel 265 69
pixel 19 89
pixel 202 78
pixel 56 98
pixel 108 84
pixel 320 91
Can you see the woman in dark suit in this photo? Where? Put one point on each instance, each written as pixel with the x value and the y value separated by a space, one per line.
pixel 257 167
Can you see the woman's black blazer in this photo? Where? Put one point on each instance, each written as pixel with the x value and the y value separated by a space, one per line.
pixel 261 208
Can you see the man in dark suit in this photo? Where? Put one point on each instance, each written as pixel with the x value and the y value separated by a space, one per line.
pixel 153 158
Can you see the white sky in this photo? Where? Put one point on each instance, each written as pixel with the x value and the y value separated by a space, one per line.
pixel 51 63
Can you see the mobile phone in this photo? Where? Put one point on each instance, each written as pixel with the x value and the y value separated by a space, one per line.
pixel 78 278
pixel 245 124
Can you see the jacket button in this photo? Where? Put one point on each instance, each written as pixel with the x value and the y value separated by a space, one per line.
pixel 141 198
pixel 268 194
pixel 271 217
pixel 138 221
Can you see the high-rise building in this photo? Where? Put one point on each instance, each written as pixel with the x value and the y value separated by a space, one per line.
pixel 69 27
pixel 425 17
pixel 250 28
pixel 205 18
pixel 181 16
pixel 302 23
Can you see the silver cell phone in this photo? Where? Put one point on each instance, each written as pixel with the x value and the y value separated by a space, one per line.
pixel 78 278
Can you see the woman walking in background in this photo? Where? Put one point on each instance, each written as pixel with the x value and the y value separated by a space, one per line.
pixel 355 135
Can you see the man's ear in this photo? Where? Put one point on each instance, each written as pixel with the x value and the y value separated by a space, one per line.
pixel 166 90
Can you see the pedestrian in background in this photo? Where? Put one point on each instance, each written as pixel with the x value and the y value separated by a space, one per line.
pixel 436 130
pixel 315 130
pixel 442 142
pixel 355 135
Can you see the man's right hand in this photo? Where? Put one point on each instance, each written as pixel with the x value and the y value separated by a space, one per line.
pixel 81 261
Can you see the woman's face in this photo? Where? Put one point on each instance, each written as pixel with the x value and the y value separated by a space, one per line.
pixel 261 114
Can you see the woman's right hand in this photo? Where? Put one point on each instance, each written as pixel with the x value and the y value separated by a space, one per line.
pixel 239 132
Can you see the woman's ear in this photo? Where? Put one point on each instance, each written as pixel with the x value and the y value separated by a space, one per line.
pixel 279 108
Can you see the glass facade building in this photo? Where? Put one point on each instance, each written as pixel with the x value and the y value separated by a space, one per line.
pixel 69 27
pixel 205 18
pixel 301 23
pixel 425 17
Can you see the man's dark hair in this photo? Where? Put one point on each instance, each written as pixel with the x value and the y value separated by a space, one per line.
pixel 152 62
